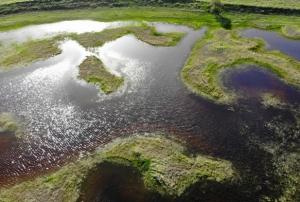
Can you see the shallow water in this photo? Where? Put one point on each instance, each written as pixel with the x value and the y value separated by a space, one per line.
pixel 275 41
pixel 67 117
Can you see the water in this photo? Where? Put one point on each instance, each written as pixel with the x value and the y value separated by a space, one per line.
pixel 66 117
pixel 275 41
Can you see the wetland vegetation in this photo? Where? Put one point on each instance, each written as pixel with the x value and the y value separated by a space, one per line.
pixel 223 49
pixel 166 166
pixel 19 55
pixel 9 126
pixel 92 70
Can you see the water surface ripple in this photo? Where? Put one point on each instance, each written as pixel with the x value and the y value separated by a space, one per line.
pixel 66 117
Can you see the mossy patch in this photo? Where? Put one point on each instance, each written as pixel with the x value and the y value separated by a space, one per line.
pixel 163 163
pixel 92 70
pixel 20 55
pixel 223 49
pixel 143 33
pixel 291 31
pixel 8 125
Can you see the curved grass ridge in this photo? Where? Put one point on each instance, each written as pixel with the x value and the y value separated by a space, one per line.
pixel 162 161
pixel 222 49
pixel 164 165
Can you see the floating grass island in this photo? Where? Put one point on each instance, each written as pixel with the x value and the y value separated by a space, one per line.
pixel 9 126
pixel 224 49
pixel 165 165
pixel 92 70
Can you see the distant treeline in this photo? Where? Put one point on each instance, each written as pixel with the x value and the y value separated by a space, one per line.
pixel 47 5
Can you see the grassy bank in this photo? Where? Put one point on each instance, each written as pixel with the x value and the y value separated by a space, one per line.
pixel 11 1
pixel 163 162
pixel 170 15
pixel 223 49
pixel 265 3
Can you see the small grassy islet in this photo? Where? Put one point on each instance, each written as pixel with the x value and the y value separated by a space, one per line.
pixel 92 70
pixel 9 126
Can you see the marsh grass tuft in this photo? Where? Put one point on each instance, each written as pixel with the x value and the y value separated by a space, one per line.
pixel 9 125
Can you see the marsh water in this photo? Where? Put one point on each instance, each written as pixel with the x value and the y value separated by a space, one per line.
pixel 66 118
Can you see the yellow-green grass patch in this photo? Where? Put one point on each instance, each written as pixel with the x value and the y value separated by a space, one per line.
pixel 22 54
pixel 92 70
pixel 163 163
pixel 222 49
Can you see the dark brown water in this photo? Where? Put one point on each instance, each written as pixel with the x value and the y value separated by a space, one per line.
pixel 67 118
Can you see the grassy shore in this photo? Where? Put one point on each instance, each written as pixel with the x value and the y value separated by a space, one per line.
pixel 223 49
pixel 9 126
pixel 265 3
pixel 163 162
pixel 11 1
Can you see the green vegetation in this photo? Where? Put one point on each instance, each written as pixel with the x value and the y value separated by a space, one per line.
pixel 164 165
pixel 143 33
pixel 223 49
pixel 11 1
pixel 162 161
pixel 265 3
pixel 92 70
pixel 171 15
pixel 20 55
pixel 291 32
pixel 9 126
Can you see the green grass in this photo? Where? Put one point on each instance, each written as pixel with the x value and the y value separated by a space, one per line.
pixel 144 33
pixel 92 70
pixel 195 19
pixel 291 32
pixel 263 3
pixel 223 49
pixel 171 15
pixel 9 125
pixel 20 55
pixel 159 159
pixel 11 1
